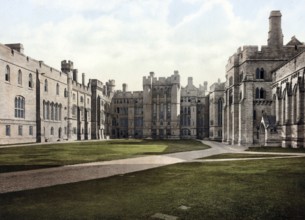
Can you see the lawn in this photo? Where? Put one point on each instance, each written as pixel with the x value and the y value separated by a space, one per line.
pixel 264 189
pixel 42 156
pixel 240 155
pixel 277 149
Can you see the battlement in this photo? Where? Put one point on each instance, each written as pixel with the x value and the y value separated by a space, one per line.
pixel 81 88
pixel 17 47
pixel 66 66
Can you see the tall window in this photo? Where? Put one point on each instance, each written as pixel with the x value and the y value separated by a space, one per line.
pixel 260 93
pixel 52 111
pixel 20 130
pixel 52 131
pixel 81 99
pixel 260 73
pixel 46 85
pixel 57 89
pixel 8 130
pixel 7 73
pixel 19 77
pixel 219 112
pixel 31 130
pixel 19 107
pixel 30 80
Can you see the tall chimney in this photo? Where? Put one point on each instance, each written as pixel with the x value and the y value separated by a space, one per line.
pixel 125 87
pixel 83 79
pixel 275 35
pixel 75 73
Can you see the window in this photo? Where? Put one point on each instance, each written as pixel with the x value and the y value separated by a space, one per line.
pixel 254 115
pixel 30 80
pixel 65 93
pixel 31 130
pixel 57 89
pixel 219 112
pixel 87 100
pixel 46 85
pixel 19 77
pixel 260 93
pixel 81 99
pixel 73 96
pixel 19 107
pixel 20 130
pixel 52 131
pixel 7 73
pixel 52 111
pixel 260 73
pixel 8 130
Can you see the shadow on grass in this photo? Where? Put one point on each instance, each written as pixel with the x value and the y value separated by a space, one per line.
pixel 14 168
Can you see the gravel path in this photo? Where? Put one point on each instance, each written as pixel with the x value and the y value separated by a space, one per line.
pixel 25 180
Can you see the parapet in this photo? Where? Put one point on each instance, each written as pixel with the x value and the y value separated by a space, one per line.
pixel 18 47
pixel 66 66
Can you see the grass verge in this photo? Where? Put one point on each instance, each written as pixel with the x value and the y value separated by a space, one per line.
pixel 40 156
pixel 277 149
pixel 265 189
pixel 240 155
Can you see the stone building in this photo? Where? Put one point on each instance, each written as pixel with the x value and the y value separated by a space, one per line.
pixel 194 115
pixel 261 102
pixel 248 92
pixel 101 97
pixel 288 104
pixel 18 95
pixel 216 110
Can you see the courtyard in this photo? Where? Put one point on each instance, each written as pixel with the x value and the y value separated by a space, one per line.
pixel 221 182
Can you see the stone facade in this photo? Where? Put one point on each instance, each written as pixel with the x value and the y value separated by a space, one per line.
pixel 248 93
pixel 261 102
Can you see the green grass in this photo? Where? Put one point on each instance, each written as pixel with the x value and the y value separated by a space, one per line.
pixel 40 156
pixel 240 155
pixel 277 149
pixel 265 189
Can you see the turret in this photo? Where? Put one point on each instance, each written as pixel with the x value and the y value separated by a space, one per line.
pixel 66 67
pixel 275 35
pixel 190 81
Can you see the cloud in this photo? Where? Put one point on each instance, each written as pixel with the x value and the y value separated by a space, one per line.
pixel 126 39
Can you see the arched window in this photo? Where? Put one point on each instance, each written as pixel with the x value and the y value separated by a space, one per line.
pixel 56 112
pixel 257 73
pixel 44 109
pixel 262 73
pixel 60 112
pixel 7 73
pixel 257 93
pixel 30 80
pixel 19 107
pixel 262 94
pixel 46 85
pixel 57 89
pixel 19 77
pixel 52 111
pixel 219 112
pixel 48 110
pixel 65 93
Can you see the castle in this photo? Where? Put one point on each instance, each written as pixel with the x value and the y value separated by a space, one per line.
pixel 260 103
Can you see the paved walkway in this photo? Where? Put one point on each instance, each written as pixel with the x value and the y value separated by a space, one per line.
pixel 25 180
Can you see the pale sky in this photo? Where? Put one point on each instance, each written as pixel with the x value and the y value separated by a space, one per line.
pixel 124 40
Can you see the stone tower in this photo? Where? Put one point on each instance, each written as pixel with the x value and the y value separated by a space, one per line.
pixel 275 35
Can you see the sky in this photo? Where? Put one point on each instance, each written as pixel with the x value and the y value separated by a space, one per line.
pixel 124 40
